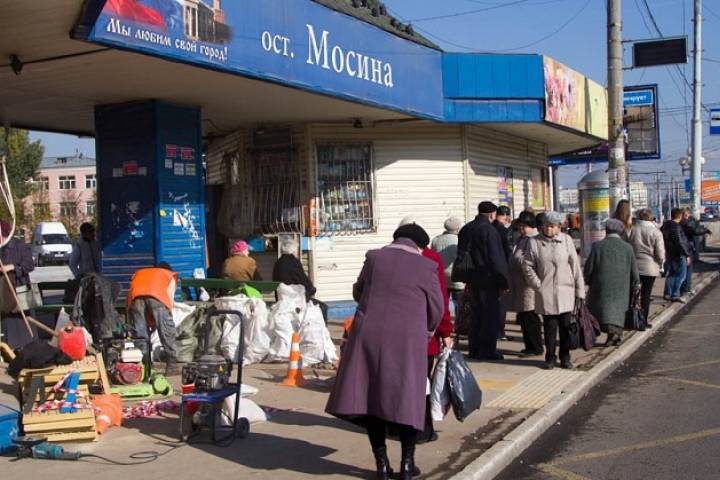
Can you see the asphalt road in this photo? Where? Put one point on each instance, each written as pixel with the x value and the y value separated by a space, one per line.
pixel 50 274
pixel 655 418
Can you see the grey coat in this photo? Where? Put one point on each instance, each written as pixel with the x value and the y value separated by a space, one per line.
pixel 383 371
pixel 649 247
pixel 553 271
pixel 446 245
pixel 611 271
pixel 522 296
pixel 84 257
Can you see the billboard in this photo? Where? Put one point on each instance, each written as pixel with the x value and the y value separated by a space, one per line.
pixel 297 43
pixel 710 190
pixel 641 125
pixel 564 95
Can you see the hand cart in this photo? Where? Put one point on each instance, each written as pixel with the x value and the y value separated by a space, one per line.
pixel 213 400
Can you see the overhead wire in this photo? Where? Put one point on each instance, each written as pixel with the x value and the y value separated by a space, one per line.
pixel 476 50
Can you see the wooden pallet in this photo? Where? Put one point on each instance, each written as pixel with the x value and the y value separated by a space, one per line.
pixel 61 427
pixel 92 370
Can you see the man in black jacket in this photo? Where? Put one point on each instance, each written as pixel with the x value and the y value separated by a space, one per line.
pixel 503 217
pixel 489 280
pixel 678 254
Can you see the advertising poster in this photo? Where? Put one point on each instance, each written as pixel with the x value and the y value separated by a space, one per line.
pixel 711 188
pixel 595 211
pixel 596 109
pixel 505 186
pixel 564 95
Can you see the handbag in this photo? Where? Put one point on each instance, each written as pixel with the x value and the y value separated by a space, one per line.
pixel 588 326
pixel 463 266
pixel 635 316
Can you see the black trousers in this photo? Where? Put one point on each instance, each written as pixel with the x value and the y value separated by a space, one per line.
pixel 554 324
pixel 532 334
pixel 646 286
pixel 485 326
pixel 377 432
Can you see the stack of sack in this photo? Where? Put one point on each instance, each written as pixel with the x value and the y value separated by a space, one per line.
pixel 267 335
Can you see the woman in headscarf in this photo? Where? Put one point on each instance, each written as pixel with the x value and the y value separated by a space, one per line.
pixel 553 271
pixel 612 274
pixel 240 266
pixel 382 377
pixel 18 263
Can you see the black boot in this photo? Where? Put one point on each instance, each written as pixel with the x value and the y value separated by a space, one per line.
pixel 384 472
pixel 408 470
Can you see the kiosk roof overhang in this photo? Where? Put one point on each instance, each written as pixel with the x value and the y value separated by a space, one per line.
pixel 63 79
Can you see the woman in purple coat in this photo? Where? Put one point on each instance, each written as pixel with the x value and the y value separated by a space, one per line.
pixel 382 378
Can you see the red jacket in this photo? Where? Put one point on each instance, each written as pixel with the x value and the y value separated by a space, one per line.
pixel 445 329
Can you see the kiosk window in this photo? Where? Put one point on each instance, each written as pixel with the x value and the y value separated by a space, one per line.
pixel 345 188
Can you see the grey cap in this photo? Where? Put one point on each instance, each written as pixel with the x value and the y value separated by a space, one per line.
pixel 453 224
pixel 554 218
pixel 614 226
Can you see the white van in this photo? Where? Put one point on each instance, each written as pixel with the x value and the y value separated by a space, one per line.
pixel 50 244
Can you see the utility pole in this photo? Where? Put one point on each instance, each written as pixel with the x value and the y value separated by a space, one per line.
pixel 697 120
pixel 616 135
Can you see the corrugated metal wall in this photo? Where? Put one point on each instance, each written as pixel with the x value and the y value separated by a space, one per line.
pixel 487 149
pixel 418 172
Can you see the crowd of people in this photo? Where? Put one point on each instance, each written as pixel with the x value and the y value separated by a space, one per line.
pixel 530 266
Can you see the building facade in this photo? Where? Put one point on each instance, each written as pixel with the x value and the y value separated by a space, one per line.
pixel 64 190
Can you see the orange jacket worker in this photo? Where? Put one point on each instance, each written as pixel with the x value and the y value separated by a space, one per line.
pixel 150 303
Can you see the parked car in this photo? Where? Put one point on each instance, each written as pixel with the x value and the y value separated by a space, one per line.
pixel 50 244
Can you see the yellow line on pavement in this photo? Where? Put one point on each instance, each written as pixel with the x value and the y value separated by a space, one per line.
pixel 496 384
pixel 638 446
pixel 692 382
pixel 559 472
pixel 682 367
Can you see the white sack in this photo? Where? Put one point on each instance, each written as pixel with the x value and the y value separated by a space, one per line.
pixel 316 344
pixel 257 328
pixel 248 409
pixel 285 317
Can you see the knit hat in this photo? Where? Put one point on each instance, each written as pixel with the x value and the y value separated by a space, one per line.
pixel 406 220
pixel 554 218
pixel 453 224
pixel 414 232
pixel 614 226
pixel 487 207
pixel 527 218
pixel 240 246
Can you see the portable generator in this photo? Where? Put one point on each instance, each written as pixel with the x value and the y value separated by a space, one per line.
pixel 127 360
pixel 209 373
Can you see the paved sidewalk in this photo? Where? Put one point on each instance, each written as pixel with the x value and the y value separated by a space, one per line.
pixel 301 441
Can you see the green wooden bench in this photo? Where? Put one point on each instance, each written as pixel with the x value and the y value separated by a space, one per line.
pixel 218 284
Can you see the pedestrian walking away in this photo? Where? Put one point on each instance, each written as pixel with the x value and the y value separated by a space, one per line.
pixel 489 279
pixel 612 277
pixel 679 255
pixel 382 377
pixel 150 303
pixel 443 334
pixel 552 268
pixel 649 248
pixel 522 296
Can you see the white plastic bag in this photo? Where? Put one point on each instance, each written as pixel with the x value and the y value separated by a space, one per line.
pixel 316 345
pixel 62 320
pixel 256 337
pixel 440 392
pixel 283 319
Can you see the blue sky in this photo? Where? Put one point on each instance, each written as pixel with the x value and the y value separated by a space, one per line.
pixel 572 31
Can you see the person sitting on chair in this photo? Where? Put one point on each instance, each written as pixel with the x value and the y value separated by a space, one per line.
pixel 150 304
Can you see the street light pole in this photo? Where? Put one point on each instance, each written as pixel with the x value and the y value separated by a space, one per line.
pixel 697 121
pixel 616 136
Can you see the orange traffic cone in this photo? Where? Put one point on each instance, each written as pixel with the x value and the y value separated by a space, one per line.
pixel 294 376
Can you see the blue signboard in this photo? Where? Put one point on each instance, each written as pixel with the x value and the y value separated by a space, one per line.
pixel 642 125
pixel 715 121
pixel 294 42
pixel 638 98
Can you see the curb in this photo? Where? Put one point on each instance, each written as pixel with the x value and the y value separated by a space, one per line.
pixel 503 453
